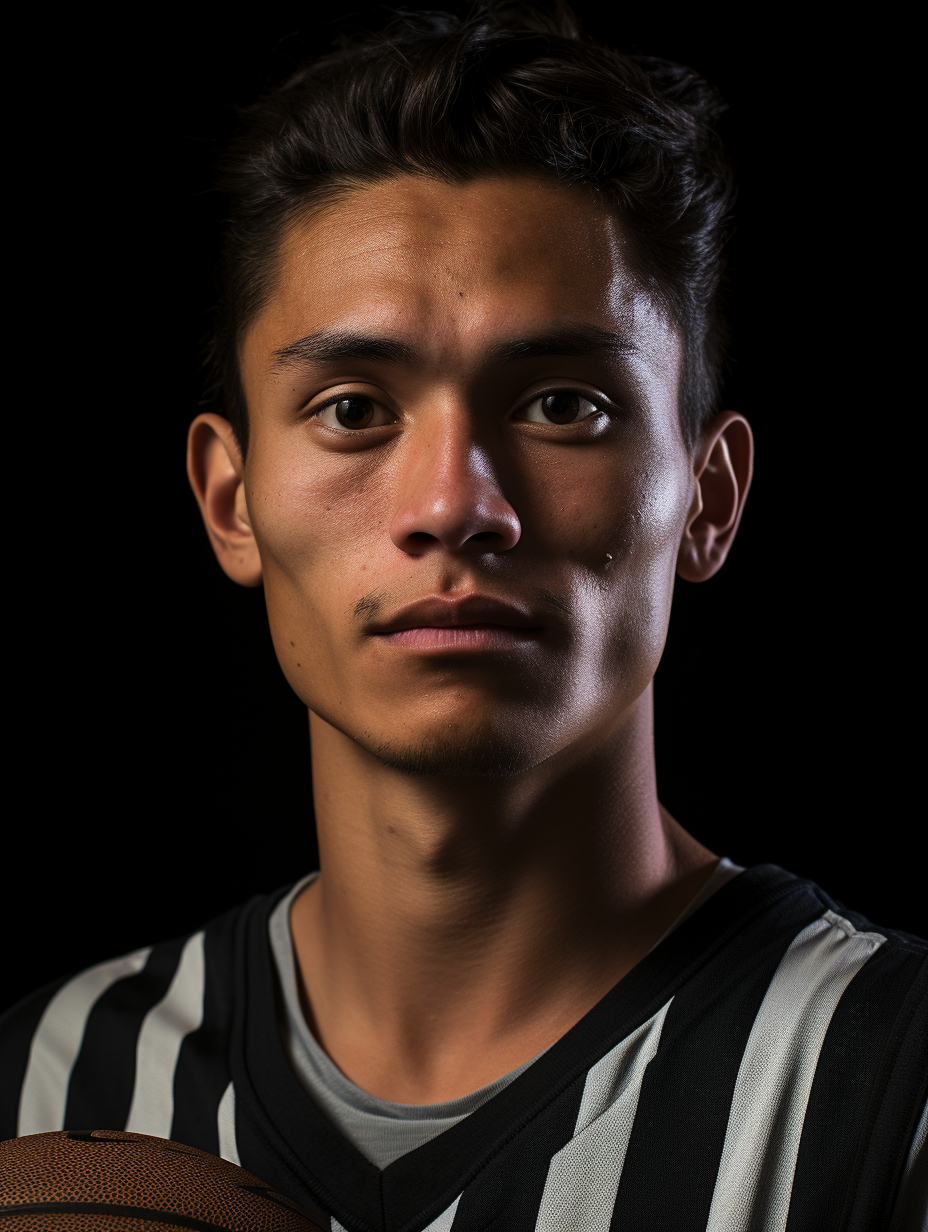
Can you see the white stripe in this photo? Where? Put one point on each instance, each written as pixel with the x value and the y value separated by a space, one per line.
pixel 583 1178
pixel 57 1041
pixel 918 1142
pixel 755 1177
pixel 179 1012
pixel 445 1219
pixel 225 1119
pixel 910 1214
pixel 338 1227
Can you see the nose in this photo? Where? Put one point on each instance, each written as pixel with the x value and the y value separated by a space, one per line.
pixel 452 497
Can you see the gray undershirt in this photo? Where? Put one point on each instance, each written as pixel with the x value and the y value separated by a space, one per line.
pixel 381 1130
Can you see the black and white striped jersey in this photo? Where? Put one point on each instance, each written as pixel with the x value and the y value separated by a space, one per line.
pixel 763 1069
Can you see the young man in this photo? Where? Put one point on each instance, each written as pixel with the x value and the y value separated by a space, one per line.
pixel 466 364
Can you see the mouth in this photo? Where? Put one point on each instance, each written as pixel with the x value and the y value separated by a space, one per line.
pixel 467 623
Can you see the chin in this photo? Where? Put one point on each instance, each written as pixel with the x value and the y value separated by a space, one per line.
pixel 478 755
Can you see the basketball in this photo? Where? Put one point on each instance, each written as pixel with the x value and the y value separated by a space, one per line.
pixel 110 1181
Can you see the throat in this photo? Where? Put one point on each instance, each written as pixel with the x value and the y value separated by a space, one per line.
pixel 428 1015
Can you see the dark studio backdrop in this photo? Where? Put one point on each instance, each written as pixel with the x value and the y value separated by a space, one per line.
pixel 160 764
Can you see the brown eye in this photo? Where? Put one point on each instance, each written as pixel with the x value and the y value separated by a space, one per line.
pixel 561 408
pixel 354 411
pixel 564 406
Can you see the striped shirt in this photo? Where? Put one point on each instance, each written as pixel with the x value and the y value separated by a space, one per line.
pixel 763 1069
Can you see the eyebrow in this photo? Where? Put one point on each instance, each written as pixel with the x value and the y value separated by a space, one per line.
pixel 584 340
pixel 330 346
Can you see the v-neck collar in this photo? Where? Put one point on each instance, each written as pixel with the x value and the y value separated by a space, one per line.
pixel 763 905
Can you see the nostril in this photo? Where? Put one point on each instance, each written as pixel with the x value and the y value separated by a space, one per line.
pixel 457 509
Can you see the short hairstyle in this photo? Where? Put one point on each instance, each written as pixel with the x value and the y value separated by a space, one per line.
pixel 512 88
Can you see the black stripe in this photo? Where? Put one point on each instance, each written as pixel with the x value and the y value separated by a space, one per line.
pixel 17 1027
pixel 676 1143
pixel 109 1208
pixel 868 1091
pixel 202 1073
pixel 506 1195
pixel 279 1160
pixel 100 1090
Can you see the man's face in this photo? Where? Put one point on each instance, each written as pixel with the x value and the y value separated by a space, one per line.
pixel 466 476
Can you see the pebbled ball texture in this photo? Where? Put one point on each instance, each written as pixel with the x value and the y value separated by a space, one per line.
pixel 149 1185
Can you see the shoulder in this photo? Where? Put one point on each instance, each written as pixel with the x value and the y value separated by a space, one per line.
pixel 789 1062
pixel 843 1023
pixel 886 967
pixel 859 989
pixel 818 932
pixel 115 1045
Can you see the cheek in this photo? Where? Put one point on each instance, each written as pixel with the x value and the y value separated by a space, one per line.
pixel 628 505
pixel 316 528
pixel 310 518
pixel 626 599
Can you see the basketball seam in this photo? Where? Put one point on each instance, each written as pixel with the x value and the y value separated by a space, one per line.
pixel 109 1208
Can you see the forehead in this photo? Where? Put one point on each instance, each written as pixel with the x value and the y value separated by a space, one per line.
pixel 453 264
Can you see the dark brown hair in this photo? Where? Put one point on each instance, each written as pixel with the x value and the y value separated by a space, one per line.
pixel 514 87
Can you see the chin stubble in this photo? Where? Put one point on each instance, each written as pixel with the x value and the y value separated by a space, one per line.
pixel 444 758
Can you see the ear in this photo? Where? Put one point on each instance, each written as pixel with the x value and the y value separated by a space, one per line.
pixel 217 475
pixel 722 466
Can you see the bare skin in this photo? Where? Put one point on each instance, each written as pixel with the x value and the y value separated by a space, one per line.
pixel 494 856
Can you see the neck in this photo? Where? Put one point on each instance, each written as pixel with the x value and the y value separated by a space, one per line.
pixel 459 927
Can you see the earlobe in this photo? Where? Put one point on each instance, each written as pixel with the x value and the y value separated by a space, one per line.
pixel 722 467
pixel 216 472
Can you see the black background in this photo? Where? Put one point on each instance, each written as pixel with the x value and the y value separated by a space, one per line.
pixel 160 764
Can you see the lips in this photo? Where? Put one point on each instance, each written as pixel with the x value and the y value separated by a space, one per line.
pixel 442 612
